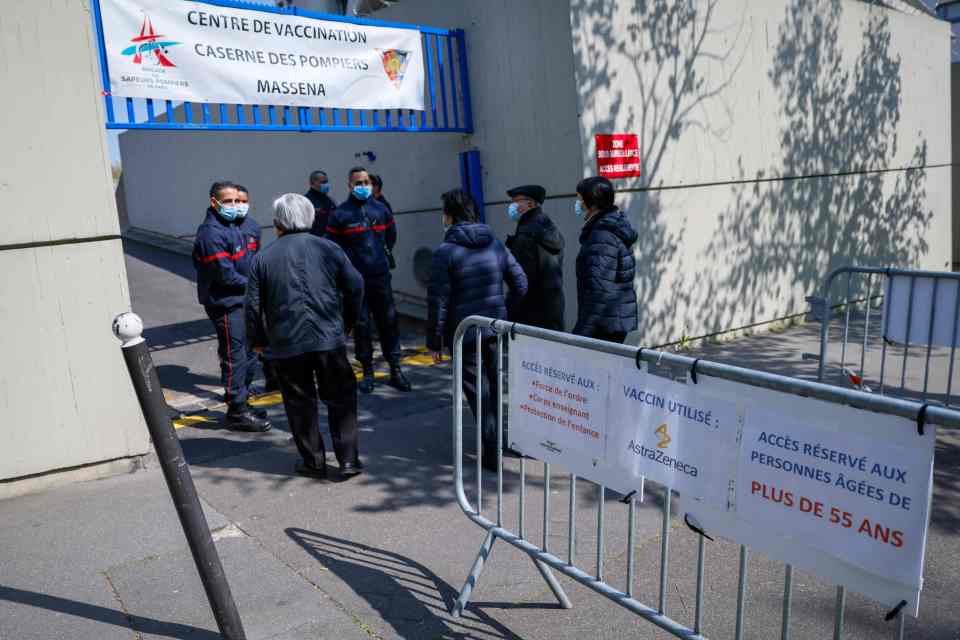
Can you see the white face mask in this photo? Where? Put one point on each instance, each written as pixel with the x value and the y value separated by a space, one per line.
pixel 242 209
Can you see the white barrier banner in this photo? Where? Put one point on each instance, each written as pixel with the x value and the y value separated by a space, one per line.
pixel 839 491
pixel 558 408
pixel 899 311
pixel 672 433
pixel 190 51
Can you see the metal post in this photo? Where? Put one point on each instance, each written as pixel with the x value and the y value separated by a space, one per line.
pixel 128 328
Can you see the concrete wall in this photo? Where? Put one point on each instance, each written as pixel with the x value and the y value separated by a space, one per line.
pixel 955 120
pixel 778 139
pixel 65 396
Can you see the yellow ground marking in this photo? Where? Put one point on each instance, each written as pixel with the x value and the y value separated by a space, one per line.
pixel 189 421
pixel 422 358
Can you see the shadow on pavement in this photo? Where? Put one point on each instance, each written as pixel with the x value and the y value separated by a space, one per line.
pixel 162 259
pixel 170 336
pixel 97 613
pixel 406 594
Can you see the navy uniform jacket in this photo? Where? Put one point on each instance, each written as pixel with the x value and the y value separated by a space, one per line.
pixel 323 206
pixel 220 258
pixel 362 228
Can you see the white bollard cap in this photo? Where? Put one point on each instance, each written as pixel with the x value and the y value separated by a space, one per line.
pixel 128 327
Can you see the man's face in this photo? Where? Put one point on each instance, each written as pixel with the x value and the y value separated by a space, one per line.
pixel 318 182
pixel 524 203
pixel 228 196
pixel 376 191
pixel 359 178
pixel 244 197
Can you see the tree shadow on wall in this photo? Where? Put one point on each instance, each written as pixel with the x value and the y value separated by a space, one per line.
pixel 782 234
pixel 670 48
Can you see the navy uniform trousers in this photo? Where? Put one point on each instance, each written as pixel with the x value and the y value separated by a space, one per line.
pixel 237 362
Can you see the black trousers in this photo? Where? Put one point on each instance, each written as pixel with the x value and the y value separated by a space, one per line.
pixel 326 376
pixel 378 307
pixel 237 362
pixel 489 388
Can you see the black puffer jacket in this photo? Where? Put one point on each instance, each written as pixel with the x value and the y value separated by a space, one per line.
pixel 538 247
pixel 606 301
pixel 302 296
pixel 466 279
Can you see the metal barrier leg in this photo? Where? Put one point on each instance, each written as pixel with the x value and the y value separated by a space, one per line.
pixel 474 576
pixel 554 585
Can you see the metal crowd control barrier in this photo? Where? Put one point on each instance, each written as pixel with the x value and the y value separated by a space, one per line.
pixel 545 560
pixel 869 359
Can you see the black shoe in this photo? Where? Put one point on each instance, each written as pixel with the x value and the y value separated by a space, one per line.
pixel 304 469
pixel 397 380
pixel 246 421
pixel 366 384
pixel 260 413
pixel 351 469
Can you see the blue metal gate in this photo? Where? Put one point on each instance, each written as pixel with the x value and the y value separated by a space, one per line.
pixel 447 93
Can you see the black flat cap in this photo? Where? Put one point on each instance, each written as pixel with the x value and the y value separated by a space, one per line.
pixel 532 191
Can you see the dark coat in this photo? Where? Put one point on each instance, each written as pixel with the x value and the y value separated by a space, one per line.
pixel 606 301
pixel 363 228
pixel 323 206
pixel 293 302
pixel 219 256
pixel 538 247
pixel 466 278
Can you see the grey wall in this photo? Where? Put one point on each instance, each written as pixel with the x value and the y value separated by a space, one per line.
pixel 955 119
pixel 778 139
pixel 65 396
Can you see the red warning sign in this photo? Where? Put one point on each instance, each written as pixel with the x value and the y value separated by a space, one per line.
pixel 618 155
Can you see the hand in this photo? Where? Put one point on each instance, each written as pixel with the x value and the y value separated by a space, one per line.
pixel 258 350
pixel 437 356
pixel 348 331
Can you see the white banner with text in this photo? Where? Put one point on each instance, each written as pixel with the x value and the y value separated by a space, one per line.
pixel 191 51
pixel 838 491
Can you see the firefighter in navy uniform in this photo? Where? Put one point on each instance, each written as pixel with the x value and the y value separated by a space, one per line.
pixel 220 257
pixel 367 232
pixel 251 233
pixel 323 205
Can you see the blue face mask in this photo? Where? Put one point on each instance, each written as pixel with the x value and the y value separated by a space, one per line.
pixel 325 188
pixel 513 211
pixel 362 191
pixel 578 209
pixel 229 213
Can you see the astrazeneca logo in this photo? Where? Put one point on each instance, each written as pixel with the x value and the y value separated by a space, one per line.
pixel 664 436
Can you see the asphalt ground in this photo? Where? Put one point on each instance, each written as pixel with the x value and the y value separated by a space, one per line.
pixel 384 554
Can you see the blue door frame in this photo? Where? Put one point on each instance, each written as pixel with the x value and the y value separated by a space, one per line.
pixel 447 109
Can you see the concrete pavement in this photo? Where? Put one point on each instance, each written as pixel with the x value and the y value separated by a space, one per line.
pixel 383 555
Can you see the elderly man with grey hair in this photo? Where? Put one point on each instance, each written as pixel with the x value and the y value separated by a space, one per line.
pixel 303 300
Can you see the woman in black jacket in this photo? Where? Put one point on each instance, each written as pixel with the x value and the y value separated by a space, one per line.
pixel 606 300
pixel 467 278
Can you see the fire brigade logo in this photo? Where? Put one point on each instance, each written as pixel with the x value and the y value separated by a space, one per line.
pixel 395 64
pixel 150 45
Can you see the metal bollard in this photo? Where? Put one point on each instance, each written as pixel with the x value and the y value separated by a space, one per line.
pixel 128 328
